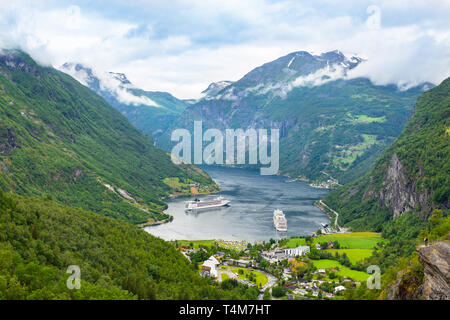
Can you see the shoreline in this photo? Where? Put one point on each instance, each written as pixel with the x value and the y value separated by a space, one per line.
pixel 171 218
pixel 180 196
pixel 322 206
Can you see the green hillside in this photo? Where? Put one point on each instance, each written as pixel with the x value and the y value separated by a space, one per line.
pixel 151 120
pixel 39 239
pixel 413 175
pixel 149 111
pixel 60 139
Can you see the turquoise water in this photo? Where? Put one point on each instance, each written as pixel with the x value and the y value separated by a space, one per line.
pixel 249 216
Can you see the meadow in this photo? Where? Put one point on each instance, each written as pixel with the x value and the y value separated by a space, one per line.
pixel 343 271
pixel 354 240
pixel 260 278
pixel 354 255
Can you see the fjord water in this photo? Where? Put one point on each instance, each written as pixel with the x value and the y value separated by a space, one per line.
pixel 249 217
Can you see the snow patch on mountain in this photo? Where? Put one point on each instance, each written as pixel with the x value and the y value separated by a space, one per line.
pixel 290 62
pixel 215 87
pixel 317 78
pixel 115 84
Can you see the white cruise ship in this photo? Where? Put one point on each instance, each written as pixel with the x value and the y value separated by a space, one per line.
pixel 198 204
pixel 279 221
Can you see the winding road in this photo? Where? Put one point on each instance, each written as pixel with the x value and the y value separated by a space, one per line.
pixel 337 214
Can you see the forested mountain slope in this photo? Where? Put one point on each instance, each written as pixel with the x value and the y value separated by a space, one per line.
pixel 152 112
pixel 40 239
pixel 59 138
pixel 413 175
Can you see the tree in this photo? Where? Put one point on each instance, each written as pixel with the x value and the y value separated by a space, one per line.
pixel 267 295
pixel 278 291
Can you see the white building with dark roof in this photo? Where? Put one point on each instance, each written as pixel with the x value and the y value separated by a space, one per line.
pixel 212 266
pixel 299 251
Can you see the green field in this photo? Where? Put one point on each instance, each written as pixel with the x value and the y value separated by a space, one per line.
pixel 354 240
pixel 362 118
pixel 229 245
pixel 343 271
pixel 354 255
pixel 196 243
pixel 326 264
pixel 261 278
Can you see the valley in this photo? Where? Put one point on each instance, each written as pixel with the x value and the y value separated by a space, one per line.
pixel 68 157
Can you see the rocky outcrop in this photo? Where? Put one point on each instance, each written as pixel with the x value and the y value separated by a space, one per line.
pixel 399 191
pixel 431 283
pixel 407 287
pixel 436 267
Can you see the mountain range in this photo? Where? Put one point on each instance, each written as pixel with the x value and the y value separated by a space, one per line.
pixel 332 125
pixel 62 140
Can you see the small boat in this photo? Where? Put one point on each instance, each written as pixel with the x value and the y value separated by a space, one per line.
pixel 279 221
pixel 198 204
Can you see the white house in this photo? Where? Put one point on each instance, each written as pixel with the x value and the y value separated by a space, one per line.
pixel 339 288
pixel 299 251
pixel 212 266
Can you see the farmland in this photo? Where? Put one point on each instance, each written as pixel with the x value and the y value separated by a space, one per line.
pixel 341 270
pixel 354 255
pixel 355 240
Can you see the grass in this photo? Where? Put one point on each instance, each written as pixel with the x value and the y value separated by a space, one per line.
pixel 354 255
pixel 346 155
pixel 260 280
pixel 354 240
pixel 225 277
pixel 369 138
pixel 196 243
pixel 343 271
pixel 326 264
pixel 232 245
pixel 362 118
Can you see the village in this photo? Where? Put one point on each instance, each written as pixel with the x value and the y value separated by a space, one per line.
pixel 322 266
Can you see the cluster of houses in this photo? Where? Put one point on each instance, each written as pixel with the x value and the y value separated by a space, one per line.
pixel 280 254
pixel 304 287
pixel 330 245
pixel 211 267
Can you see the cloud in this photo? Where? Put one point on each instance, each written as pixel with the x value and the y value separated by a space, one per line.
pixel 108 82
pixel 183 45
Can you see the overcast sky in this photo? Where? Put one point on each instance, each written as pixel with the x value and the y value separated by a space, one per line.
pixel 181 46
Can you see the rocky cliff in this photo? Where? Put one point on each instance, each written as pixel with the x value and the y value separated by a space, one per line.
pixel 399 192
pixel 430 283
pixel 436 268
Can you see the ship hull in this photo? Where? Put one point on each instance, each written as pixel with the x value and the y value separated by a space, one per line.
pixel 280 229
pixel 206 207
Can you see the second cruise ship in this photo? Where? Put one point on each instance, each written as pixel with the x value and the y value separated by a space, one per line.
pixel 279 221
